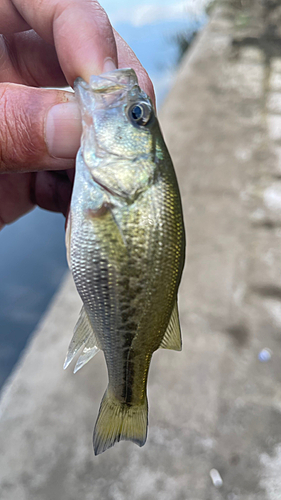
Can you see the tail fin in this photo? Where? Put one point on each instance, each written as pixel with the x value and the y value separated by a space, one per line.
pixel 118 421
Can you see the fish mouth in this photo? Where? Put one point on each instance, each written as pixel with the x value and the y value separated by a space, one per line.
pixel 109 89
pixel 108 83
pixel 114 81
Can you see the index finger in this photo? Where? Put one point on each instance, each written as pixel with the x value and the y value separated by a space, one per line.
pixel 79 29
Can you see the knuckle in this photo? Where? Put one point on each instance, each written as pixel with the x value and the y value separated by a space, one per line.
pixel 19 143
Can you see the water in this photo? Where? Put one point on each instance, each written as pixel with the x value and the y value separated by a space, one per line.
pixel 32 264
pixel 150 29
pixel 32 250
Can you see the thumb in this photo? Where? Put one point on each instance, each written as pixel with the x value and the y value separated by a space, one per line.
pixel 40 129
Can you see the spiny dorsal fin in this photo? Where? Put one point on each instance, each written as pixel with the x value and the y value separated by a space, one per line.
pixel 82 331
pixel 172 337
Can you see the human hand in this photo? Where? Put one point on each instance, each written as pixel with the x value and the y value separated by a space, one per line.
pixel 48 43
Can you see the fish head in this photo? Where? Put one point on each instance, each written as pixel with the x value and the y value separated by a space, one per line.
pixel 117 114
pixel 118 130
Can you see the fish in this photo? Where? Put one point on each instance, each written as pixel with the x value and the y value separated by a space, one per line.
pixel 125 244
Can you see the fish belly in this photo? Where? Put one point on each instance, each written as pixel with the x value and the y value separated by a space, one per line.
pixel 126 264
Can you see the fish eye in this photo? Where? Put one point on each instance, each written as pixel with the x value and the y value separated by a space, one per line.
pixel 140 113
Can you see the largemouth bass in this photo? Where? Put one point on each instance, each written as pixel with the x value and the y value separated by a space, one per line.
pixel 125 245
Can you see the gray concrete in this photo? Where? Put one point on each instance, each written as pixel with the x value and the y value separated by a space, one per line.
pixel 214 405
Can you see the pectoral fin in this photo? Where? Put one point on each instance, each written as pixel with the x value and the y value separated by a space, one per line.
pixel 172 337
pixel 67 239
pixel 82 332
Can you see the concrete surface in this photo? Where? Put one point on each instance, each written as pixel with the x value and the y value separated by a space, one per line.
pixel 215 405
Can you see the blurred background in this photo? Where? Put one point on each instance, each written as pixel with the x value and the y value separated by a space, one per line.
pixel 215 408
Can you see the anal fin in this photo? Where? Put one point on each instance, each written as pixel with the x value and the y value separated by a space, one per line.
pixel 82 332
pixel 89 351
pixel 172 337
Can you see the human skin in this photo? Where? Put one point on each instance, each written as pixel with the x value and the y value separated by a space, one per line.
pixel 48 43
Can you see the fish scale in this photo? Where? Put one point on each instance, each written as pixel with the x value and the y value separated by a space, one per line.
pixel 125 243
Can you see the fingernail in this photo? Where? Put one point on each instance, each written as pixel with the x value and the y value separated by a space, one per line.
pixel 63 130
pixel 108 65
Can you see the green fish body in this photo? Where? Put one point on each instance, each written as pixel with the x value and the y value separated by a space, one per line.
pixel 125 245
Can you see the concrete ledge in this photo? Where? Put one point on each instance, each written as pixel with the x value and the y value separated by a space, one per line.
pixel 215 405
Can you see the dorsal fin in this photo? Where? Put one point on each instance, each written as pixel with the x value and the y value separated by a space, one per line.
pixel 172 337
pixel 82 331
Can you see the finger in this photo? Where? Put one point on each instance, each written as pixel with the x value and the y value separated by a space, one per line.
pixel 52 191
pixel 128 59
pixel 19 193
pixel 28 59
pixel 79 29
pixel 10 19
pixel 40 129
pixel 14 197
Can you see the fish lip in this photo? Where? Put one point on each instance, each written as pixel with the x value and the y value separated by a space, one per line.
pixel 112 81
pixel 109 89
pixel 115 86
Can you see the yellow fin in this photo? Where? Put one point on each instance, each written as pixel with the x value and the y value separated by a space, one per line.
pixel 82 332
pixel 118 421
pixel 172 337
